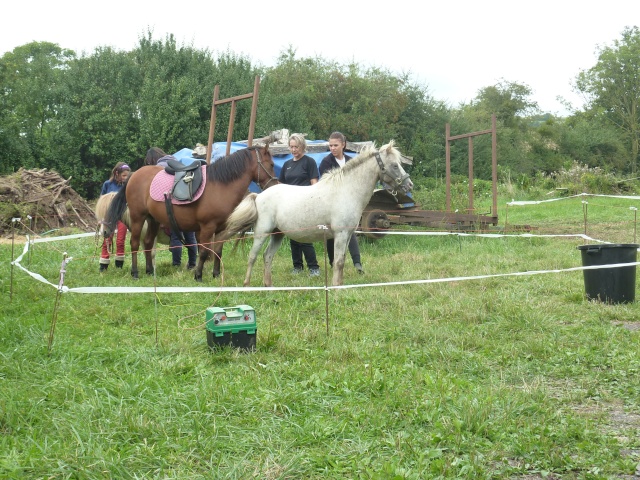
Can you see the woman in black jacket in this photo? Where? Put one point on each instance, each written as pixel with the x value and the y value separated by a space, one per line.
pixel 337 159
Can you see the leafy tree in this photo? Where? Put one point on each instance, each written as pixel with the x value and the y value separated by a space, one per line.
pixel 316 97
pixel 586 139
pixel 236 76
pixel 175 97
pixel 509 101
pixel 290 92
pixel 99 119
pixel 420 131
pixel 30 78
pixel 612 87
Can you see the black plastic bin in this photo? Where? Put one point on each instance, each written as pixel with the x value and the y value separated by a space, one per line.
pixel 610 285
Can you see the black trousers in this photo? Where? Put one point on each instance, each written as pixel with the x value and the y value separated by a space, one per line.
pixel 354 249
pixel 298 249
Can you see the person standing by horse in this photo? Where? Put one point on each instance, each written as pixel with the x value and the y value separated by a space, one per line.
pixel 119 176
pixel 156 156
pixel 301 170
pixel 338 159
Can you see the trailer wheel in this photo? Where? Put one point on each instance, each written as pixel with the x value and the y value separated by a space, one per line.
pixel 374 223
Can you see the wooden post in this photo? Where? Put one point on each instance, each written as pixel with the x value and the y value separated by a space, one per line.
pixel 448 166
pixel 232 116
pixel 254 110
pixel 212 125
pixel 494 165
pixel 470 147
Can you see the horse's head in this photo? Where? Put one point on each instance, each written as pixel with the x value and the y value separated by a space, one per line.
pixel 264 173
pixel 392 175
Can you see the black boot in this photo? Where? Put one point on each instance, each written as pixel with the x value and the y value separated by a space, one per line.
pixel 103 267
pixel 119 263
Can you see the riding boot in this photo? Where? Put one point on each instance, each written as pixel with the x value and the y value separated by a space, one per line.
pixel 119 263
pixel 104 266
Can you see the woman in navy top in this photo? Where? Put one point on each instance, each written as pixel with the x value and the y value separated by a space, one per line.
pixel 337 159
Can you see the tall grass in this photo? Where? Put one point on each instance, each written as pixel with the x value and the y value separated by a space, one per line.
pixel 500 377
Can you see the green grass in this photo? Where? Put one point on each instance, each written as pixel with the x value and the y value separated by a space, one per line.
pixel 504 377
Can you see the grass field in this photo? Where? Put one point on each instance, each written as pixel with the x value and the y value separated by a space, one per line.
pixel 510 376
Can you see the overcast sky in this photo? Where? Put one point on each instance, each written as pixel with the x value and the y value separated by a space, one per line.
pixel 452 48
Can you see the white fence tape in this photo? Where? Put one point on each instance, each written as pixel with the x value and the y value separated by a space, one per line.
pixel 196 289
pixel 537 202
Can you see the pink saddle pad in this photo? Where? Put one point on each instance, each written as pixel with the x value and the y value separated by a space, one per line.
pixel 163 183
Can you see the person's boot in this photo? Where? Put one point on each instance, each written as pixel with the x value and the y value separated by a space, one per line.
pixel 103 267
pixel 119 263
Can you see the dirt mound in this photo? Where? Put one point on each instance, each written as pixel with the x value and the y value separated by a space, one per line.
pixel 47 199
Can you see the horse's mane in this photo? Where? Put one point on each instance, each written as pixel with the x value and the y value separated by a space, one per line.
pixel 102 205
pixel 231 167
pixel 336 174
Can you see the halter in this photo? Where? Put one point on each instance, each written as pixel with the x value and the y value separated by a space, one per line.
pixel 260 164
pixel 395 182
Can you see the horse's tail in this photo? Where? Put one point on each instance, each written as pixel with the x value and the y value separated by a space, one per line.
pixel 115 212
pixel 243 217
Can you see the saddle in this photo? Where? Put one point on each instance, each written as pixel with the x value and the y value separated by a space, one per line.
pixel 187 178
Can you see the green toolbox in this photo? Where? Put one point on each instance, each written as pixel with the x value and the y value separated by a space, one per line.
pixel 231 326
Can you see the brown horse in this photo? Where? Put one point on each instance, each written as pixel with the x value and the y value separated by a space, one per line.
pixel 227 182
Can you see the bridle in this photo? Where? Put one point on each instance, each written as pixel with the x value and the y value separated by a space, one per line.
pixel 395 183
pixel 261 166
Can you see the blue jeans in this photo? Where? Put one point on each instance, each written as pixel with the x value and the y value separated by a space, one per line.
pixel 175 245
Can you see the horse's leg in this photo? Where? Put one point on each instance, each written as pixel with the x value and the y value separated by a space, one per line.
pixel 269 253
pixel 258 241
pixel 136 229
pixel 217 256
pixel 340 241
pixel 205 246
pixel 149 245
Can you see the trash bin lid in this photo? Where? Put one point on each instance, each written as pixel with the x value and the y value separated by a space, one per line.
pixel 609 245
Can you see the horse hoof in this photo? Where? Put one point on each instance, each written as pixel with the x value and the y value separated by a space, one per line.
pixel 134 274
pixel 198 278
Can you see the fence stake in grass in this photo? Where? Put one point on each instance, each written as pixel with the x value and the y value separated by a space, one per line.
pixel 585 208
pixel 635 222
pixel 326 278
pixel 30 251
pixel 13 239
pixel 155 298
pixel 506 215
pixel 97 241
pixel 54 319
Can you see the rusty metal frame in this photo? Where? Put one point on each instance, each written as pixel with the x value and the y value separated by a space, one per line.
pixel 232 115
pixel 494 166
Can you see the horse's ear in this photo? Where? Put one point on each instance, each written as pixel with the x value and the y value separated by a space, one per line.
pixel 388 147
pixel 264 142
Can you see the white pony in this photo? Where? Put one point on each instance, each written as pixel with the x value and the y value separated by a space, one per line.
pixel 336 201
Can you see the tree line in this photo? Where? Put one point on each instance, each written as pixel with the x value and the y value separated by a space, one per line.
pixel 79 115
